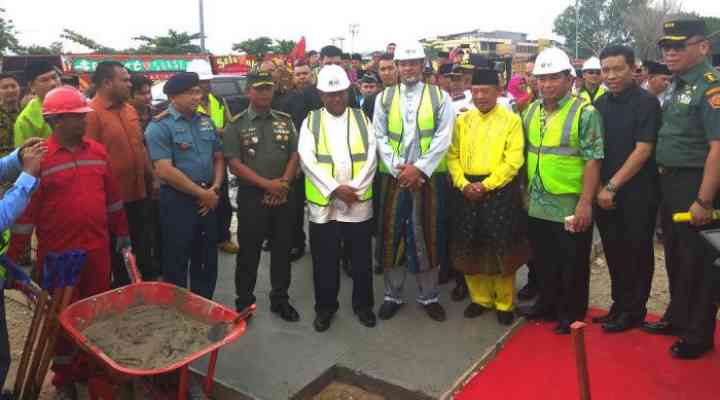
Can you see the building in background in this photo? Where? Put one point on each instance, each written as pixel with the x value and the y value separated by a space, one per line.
pixel 494 43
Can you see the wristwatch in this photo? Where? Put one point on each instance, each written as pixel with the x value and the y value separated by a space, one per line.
pixel 610 187
pixel 704 204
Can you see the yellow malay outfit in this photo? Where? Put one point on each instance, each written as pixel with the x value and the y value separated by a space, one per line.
pixel 488 242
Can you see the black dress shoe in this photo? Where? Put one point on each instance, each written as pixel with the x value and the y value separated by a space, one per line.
pixel 460 292
pixel 435 311
pixel 474 310
pixel 388 309
pixel 367 318
pixel 660 327
pixel 322 321
pixel 689 351
pixel 528 292
pixel 623 322
pixel 378 270
pixel 505 317
pixel 267 246
pixel 562 329
pixel 609 317
pixel 297 253
pixel 286 312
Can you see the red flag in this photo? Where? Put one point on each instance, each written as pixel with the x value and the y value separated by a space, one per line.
pixel 299 51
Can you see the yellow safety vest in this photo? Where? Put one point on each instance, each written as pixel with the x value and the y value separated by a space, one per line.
pixel 586 95
pixel 554 153
pixel 358 140
pixel 5 242
pixel 216 113
pixel 426 120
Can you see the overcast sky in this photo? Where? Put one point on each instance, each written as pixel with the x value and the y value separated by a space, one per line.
pixel 227 22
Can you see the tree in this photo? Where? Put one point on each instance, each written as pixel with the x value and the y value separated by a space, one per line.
pixel 173 43
pixel 85 41
pixel 645 21
pixel 600 24
pixel 8 39
pixel 255 47
pixel 284 46
pixel 55 48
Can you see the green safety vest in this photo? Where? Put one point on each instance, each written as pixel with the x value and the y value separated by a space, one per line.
pixel 217 111
pixel 426 121
pixel 4 245
pixel 555 154
pixel 586 95
pixel 358 141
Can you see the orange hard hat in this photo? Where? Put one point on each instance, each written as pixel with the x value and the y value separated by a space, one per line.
pixel 65 100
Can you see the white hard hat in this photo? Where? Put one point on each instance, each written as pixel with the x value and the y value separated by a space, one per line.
pixel 412 50
pixel 332 78
pixel 591 63
pixel 551 61
pixel 200 67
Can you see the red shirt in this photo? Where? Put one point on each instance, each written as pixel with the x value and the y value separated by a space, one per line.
pixel 117 127
pixel 76 204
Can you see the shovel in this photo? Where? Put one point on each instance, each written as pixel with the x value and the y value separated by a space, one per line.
pixel 218 331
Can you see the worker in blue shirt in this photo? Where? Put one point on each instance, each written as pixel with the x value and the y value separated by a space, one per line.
pixel 25 161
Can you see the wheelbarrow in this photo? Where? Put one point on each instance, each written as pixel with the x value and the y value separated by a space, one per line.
pixel 78 316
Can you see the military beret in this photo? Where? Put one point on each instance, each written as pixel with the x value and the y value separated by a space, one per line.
pixel 484 76
pixel 258 79
pixel 682 29
pixel 655 68
pixel 37 68
pixel 180 83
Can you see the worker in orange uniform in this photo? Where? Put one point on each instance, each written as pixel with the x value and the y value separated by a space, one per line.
pixel 75 207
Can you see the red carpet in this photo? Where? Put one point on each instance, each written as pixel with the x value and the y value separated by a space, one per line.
pixel 536 364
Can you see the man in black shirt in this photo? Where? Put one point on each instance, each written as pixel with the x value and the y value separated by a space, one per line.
pixel 628 201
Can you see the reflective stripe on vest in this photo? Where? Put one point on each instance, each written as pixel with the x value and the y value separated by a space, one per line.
pixel 358 142
pixel 426 120
pixel 217 112
pixel 586 95
pixel 557 151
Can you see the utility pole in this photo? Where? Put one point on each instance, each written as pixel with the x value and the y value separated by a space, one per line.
pixel 354 31
pixel 336 40
pixel 202 26
pixel 577 26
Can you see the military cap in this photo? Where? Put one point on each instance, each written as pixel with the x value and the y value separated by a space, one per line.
pixel 681 29
pixel 369 77
pixel 258 79
pixel 37 68
pixel 655 68
pixel 180 83
pixel 459 69
pixel 484 76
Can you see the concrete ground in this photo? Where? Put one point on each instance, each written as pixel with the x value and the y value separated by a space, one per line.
pixel 274 360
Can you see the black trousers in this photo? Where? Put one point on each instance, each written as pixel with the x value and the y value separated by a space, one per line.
pixel 325 242
pixel 256 222
pixel 5 357
pixel 299 204
pixel 140 220
pixel 688 260
pixel 627 234
pixel 562 264
pixel 224 213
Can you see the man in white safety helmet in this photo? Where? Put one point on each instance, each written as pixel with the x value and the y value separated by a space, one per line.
pixel 564 152
pixel 338 154
pixel 592 80
pixel 413 123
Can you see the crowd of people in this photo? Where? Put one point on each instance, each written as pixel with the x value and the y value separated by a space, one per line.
pixel 455 175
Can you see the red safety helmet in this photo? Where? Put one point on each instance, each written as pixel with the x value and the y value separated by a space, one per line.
pixel 65 100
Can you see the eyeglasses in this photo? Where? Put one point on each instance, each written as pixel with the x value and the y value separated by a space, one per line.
pixel 678 46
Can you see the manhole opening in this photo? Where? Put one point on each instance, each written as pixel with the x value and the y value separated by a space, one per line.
pixel 342 383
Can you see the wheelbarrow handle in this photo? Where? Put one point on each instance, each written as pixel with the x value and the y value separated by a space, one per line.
pixel 131 266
